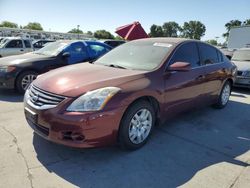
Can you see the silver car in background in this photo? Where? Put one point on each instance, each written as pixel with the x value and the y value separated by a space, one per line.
pixel 14 46
pixel 241 58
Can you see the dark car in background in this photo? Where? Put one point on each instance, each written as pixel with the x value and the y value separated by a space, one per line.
pixel 120 97
pixel 40 43
pixel 113 43
pixel 20 70
pixel 241 59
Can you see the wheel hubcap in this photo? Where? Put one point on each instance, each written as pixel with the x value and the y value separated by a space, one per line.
pixel 225 94
pixel 140 126
pixel 27 80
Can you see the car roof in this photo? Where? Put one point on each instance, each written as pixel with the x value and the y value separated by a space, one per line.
pixel 86 42
pixel 171 40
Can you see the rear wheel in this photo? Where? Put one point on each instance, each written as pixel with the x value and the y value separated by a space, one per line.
pixel 24 80
pixel 224 95
pixel 137 125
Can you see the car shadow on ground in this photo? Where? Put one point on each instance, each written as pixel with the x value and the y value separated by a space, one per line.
pixel 9 95
pixel 175 153
pixel 241 90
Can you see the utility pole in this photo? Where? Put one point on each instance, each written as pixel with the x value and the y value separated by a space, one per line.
pixel 78 31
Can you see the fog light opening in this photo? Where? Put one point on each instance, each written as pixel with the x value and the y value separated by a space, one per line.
pixel 77 137
pixel 69 135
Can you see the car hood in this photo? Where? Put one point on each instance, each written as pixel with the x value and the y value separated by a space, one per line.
pixel 23 58
pixel 242 65
pixel 75 80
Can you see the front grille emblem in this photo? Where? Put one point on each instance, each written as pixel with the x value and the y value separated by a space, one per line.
pixel 35 97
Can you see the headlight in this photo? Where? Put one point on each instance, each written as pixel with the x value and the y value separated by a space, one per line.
pixel 7 68
pixel 93 100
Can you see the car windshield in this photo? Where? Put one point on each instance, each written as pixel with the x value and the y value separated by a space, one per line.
pixel 3 42
pixel 241 55
pixel 52 49
pixel 138 55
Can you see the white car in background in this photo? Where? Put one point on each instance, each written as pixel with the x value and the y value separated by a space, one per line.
pixel 241 59
pixel 14 46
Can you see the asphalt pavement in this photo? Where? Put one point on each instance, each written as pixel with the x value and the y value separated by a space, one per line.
pixel 201 148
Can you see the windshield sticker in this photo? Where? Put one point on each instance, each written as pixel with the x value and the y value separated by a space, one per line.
pixel 162 45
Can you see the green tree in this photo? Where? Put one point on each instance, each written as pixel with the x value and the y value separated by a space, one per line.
pixel 212 42
pixel 89 33
pixel 76 31
pixel 117 37
pixel 34 26
pixel 229 25
pixel 156 31
pixel 103 34
pixel 170 29
pixel 8 24
pixel 246 22
pixel 193 30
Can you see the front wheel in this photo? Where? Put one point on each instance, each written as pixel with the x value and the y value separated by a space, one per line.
pixel 224 95
pixel 24 80
pixel 136 125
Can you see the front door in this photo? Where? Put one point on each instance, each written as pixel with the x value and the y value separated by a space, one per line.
pixel 184 89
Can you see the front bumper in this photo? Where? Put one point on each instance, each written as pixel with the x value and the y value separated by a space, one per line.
pixel 242 82
pixel 7 80
pixel 76 129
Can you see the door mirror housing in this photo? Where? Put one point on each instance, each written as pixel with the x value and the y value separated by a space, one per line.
pixel 180 66
pixel 66 55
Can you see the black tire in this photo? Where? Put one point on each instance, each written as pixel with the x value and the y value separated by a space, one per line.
pixel 124 139
pixel 19 86
pixel 220 104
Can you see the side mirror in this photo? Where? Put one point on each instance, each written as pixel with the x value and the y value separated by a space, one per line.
pixel 180 66
pixel 66 55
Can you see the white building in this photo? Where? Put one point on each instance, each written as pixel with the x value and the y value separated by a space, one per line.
pixel 35 34
pixel 239 37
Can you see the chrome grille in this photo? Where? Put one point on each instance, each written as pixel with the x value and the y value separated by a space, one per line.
pixel 40 99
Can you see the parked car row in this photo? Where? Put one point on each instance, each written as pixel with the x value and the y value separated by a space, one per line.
pixel 18 71
pixel 17 45
pixel 122 95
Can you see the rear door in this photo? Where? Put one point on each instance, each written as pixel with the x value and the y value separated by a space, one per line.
pixel 184 89
pixel 13 47
pixel 212 60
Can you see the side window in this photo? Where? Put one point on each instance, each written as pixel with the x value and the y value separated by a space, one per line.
pixel 97 50
pixel 208 54
pixel 15 44
pixel 187 53
pixel 77 52
pixel 77 48
pixel 27 44
pixel 220 56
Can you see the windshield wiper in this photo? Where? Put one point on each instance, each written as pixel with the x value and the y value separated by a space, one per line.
pixel 116 66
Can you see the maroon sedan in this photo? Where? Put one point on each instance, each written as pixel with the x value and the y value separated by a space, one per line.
pixel 120 97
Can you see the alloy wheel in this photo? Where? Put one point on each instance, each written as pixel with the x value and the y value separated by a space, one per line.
pixel 27 80
pixel 140 126
pixel 225 94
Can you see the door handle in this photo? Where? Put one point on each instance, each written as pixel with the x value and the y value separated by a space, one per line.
pixel 21 50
